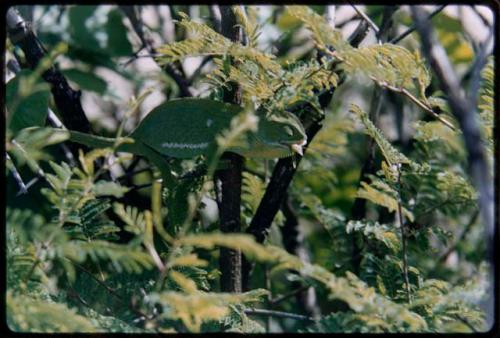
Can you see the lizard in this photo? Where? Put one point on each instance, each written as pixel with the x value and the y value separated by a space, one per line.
pixel 186 128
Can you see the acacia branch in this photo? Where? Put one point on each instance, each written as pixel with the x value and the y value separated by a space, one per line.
pixel 66 99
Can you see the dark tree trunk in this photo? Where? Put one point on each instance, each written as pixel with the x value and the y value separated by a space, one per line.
pixel 228 181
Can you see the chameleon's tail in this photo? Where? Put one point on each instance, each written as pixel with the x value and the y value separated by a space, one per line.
pixel 94 141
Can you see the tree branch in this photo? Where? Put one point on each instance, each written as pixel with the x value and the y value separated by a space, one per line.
pixel 66 99
pixel 14 67
pixel 284 297
pixel 477 67
pixel 215 16
pixel 170 69
pixel 412 28
pixel 466 115
pixel 285 169
pixel 228 181
pixel 367 19
pixel 273 197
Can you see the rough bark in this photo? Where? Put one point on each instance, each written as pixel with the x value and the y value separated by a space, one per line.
pixel 228 180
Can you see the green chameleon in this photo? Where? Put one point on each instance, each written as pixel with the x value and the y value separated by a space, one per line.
pixel 186 128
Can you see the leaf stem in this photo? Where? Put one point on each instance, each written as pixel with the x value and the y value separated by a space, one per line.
pixel 281 314
pixel 419 103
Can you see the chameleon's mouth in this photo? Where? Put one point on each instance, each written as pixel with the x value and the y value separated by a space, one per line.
pixel 298 147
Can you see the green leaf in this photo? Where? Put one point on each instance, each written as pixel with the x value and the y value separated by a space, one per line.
pixel 185 128
pixel 81 34
pixel 382 198
pixel 86 80
pixel 380 232
pixel 118 43
pixel 26 109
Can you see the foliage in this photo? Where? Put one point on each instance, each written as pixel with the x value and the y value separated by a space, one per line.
pixel 114 236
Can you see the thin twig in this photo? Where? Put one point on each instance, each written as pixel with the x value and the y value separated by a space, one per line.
pixel 280 314
pixel 485 21
pixel 409 95
pixel 413 27
pixel 19 180
pixel 73 293
pixel 403 238
pixel 38 172
pixel 136 56
pixel 170 69
pixel 55 122
pixel 197 71
pixel 284 297
pixel 387 23
pixel 367 19
pixel 452 247
pixel 477 67
pixel 111 291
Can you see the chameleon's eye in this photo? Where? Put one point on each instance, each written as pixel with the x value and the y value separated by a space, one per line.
pixel 288 130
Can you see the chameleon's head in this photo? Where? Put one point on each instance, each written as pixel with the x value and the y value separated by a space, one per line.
pixel 283 131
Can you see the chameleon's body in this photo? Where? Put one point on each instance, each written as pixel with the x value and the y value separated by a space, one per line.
pixel 187 128
pixel 180 129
